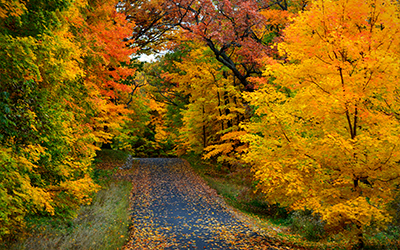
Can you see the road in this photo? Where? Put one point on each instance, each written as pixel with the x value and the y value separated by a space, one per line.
pixel 173 208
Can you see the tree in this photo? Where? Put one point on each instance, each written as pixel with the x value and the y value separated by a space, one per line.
pixel 155 24
pixel 239 33
pixel 212 106
pixel 101 31
pixel 44 169
pixel 325 134
pixel 60 84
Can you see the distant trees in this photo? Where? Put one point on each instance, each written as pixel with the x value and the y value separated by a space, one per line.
pixel 225 42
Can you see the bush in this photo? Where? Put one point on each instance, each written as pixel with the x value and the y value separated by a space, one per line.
pixel 308 225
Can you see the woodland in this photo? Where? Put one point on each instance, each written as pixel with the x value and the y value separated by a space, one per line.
pixel 302 96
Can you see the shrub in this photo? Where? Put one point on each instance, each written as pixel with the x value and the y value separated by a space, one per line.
pixel 308 225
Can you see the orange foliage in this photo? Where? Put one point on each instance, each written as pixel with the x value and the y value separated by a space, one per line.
pixel 326 133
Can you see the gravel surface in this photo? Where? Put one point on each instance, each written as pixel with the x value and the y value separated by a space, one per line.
pixel 173 208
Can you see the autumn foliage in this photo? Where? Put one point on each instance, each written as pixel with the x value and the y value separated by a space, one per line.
pixel 61 66
pixel 303 93
pixel 325 135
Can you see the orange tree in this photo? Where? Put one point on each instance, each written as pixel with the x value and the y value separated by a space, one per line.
pixel 326 132
pixel 106 63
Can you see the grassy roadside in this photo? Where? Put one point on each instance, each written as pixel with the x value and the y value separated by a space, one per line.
pixel 102 225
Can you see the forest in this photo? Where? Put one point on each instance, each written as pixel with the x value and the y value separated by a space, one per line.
pixel 300 97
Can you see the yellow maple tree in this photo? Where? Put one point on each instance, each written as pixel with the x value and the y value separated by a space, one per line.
pixel 326 132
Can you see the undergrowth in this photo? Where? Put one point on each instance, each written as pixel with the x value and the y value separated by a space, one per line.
pixel 103 224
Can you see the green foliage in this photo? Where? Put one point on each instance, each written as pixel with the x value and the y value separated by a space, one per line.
pixel 103 224
pixel 307 224
pixel 110 156
pixel 107 162
pixel 134 132
pixel 39 18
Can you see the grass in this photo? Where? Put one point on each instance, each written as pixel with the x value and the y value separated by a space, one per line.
pixel 102 225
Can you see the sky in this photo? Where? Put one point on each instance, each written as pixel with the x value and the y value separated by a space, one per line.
pixel 147 58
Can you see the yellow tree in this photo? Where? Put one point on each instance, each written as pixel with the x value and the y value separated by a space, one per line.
pixel 45 150
pixel 326 132
pixel 214 107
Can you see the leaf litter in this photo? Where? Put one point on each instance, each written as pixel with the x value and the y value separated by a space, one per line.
pixel 173 208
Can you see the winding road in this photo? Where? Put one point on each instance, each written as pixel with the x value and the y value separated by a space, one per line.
pixel 173 208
